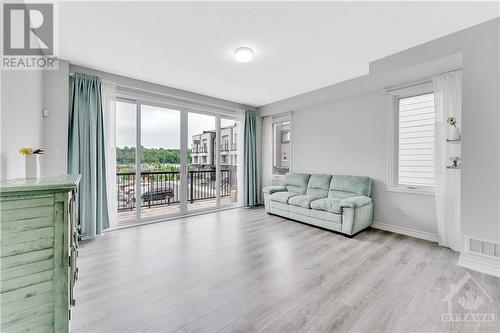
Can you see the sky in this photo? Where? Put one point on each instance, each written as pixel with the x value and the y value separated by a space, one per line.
pixel 160 127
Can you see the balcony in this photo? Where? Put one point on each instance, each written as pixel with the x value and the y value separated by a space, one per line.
pixel 224 147
pixel 161 190
pixel 199 150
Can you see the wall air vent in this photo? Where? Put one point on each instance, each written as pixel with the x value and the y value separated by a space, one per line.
pixel 484 247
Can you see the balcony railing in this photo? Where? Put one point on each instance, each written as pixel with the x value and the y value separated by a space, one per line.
pixel 199 150
pixel 162 187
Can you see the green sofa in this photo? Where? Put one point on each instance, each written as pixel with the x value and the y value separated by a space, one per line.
pixel 335 202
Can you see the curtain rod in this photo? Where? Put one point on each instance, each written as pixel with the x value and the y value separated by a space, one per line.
pixel 176 98
pixel 416 83
pixel 407 85
pixel 102 80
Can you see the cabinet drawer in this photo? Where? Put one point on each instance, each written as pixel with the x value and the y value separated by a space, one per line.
pixel 27 280
pixel 32 235
pixel 39 324
pixel 15 322
pixel 27 292
pixel 14 249
pixel 26 213
pixel 27 203
pixel 27 258
pixel 27 269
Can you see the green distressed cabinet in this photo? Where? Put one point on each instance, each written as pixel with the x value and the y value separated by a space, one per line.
pixel 39 244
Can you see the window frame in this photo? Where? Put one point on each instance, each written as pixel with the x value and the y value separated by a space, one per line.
pixel 281 118
pixel 393 97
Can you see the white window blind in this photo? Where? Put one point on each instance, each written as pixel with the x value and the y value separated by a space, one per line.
pixel 416 141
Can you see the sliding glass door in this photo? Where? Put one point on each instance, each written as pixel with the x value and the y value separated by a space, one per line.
pixel 160 161
pixel 230 156
pixel 185 161
pixel 126 139
pixel 202 162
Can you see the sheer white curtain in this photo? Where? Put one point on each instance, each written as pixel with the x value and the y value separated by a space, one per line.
pixel 108 92
pixel 448 103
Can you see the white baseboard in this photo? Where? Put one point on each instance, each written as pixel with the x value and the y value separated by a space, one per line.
pixel 477 262
pixel 405 231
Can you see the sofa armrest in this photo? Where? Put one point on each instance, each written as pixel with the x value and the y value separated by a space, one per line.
pixel 273 189
pixel 355 202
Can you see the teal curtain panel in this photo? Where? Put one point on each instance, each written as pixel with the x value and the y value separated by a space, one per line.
pixel 252 190
pixel 86 152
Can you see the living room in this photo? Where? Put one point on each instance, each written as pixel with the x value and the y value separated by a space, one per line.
pixel 250 166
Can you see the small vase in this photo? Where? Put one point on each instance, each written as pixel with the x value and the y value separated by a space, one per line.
pixel 453 133
pixel 31 165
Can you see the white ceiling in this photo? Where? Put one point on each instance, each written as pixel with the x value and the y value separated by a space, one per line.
pixel 298 46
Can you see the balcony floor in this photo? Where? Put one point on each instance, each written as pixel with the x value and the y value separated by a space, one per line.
pixel 126 217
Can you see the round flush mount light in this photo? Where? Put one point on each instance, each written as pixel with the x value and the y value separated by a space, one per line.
pixel 243 54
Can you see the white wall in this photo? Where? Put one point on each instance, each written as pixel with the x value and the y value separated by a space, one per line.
pixel 55 126
pixel 21 119
pixel 343 129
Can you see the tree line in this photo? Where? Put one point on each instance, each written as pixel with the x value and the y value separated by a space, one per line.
pixel 126 155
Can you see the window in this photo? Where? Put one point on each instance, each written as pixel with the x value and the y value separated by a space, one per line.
pixel 412 117
pixel 281 145
pixel 285 136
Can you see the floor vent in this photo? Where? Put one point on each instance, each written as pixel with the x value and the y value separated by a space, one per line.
pixel 484 247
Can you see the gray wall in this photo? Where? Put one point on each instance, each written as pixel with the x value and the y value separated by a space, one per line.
pixel 24 95
pixel 343 128
pixel 55 126
pixel 21 119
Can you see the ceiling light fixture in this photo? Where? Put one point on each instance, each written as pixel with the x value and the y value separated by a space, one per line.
pixel 243 54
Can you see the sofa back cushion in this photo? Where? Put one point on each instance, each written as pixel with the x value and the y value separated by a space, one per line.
pixel 349 186
pixel 319 185
pixel 296 182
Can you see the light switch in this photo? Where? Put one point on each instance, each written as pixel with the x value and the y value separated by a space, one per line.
pixel 45 112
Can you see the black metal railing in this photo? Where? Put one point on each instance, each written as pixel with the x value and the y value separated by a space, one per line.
pixel 162 187
pixel 199 150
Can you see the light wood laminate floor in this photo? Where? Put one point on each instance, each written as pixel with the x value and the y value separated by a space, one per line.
pixel 242 270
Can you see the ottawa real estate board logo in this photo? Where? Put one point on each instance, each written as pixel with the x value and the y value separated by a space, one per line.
pixel 28 36
pixel 469 306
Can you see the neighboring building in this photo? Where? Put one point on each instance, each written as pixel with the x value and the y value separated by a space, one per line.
pixel 203 148
pixel 228 145
pixel 281 163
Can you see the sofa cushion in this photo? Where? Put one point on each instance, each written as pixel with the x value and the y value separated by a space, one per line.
pixel 302 200
pixel 331 205
pixel 282 196
pixel 319 185
pixel 350 186
pixel 296 182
